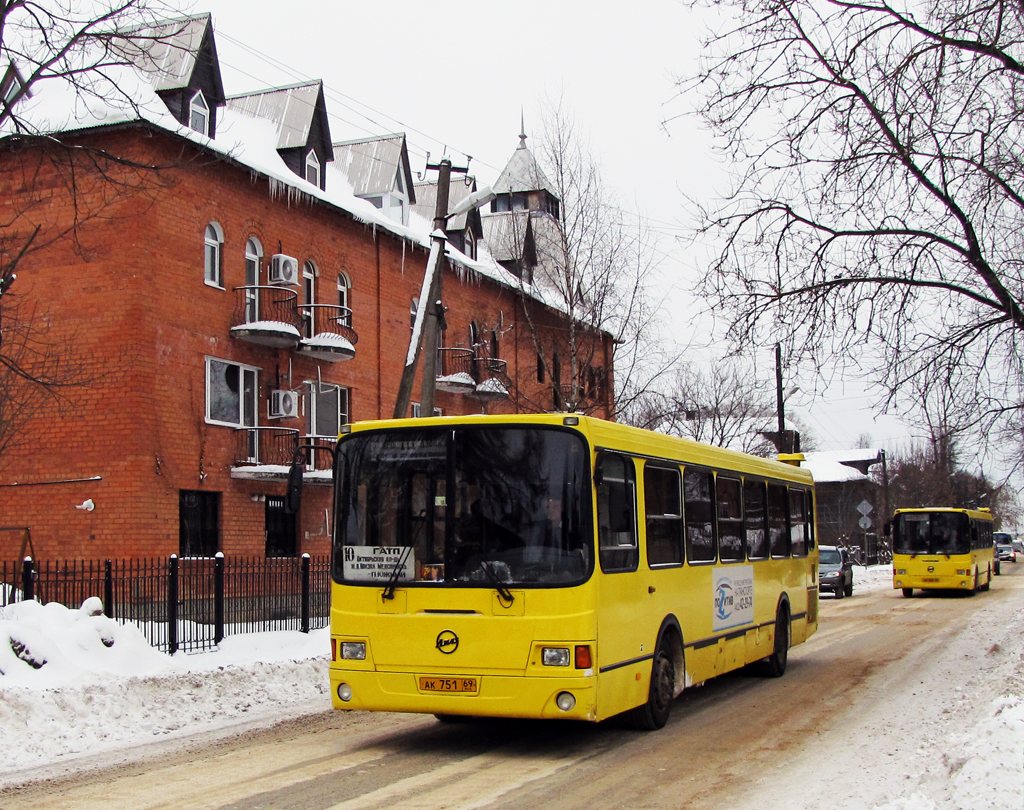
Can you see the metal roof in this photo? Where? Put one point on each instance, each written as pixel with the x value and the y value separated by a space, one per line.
pixel 170 50
pixel 523 173
pixel 458 190
pixel 292 109
pixel 372 164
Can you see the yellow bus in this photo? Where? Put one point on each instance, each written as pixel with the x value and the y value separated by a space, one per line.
pixel 942 548
pixel 559 566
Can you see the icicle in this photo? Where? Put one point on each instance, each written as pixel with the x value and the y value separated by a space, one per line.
pixel 403 257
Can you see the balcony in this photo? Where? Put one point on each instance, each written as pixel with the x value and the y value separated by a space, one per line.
pixel 319 458
pixel 491 379
pixel 264 453
pixel 329 335
pixel 266 315
pixel 455 371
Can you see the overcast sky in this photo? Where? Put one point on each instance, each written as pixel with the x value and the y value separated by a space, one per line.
pixel 454 75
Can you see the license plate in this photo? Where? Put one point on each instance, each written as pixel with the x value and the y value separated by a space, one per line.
pixel 929 579
pixel 429 683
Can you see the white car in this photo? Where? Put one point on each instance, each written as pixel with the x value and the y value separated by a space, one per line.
pixel 1004 546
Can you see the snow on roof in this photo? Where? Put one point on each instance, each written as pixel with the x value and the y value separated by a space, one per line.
pixel 126 96
pixel 523 173
pixel 827 465
pixel 290 108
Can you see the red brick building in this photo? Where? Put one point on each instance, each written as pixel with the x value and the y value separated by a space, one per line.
pixel 218 310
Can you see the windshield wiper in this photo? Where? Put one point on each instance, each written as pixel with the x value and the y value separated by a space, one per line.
pixel 504 594
pixel 389 588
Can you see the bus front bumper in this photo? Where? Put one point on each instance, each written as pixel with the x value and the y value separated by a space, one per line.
pixel 957 581
pixel 569 698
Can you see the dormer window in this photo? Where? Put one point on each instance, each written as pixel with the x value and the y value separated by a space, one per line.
pixel 11 84
pixel 313 168
pixel 199 114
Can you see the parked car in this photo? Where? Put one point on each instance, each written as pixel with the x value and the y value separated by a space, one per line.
pixel 1018 546
pixel 1004 546
pixel 835 571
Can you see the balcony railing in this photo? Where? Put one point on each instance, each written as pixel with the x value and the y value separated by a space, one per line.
pixel 455 370
pixel 266 315
pixel 319 453
pixel 327 332
pixel 264 451
pixel 491 378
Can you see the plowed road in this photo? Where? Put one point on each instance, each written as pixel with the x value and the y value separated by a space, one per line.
pixel 882 675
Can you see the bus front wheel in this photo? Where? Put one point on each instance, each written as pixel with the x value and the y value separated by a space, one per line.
pixel 908 592
pixel 774 666
pixel 653 714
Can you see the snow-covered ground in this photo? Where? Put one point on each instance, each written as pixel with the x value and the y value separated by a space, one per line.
pixel 74 683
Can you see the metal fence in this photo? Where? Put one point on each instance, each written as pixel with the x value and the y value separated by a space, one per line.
pixel 186 604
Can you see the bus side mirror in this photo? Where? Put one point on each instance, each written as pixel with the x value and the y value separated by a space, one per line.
pixel 293 494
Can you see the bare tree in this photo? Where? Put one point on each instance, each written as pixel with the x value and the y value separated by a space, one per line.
pixel 878 209
pixel 89 55
pixel 723 404
pixel 591 261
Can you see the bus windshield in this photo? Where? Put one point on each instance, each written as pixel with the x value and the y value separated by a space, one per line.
pixel 931 533
pixel 463 506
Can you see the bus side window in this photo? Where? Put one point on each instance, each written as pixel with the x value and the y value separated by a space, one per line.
pixel 730 518
pixel 700 515
pixel 616 513
pixel 797 523
pixel 664 508
pixel 754 520
pixel 778 529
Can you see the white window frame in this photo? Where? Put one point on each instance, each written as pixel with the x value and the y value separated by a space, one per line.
pixel 253 261
pixel 309 275
pixel 313 168
pixel 198 108
pixel 213 252
pixel 249 381
pixel 344 296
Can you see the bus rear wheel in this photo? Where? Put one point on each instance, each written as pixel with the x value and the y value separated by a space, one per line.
pixel 653 714
pixel 908 592
pixel 774 666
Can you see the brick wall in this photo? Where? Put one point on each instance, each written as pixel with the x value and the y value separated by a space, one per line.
pixel 122 300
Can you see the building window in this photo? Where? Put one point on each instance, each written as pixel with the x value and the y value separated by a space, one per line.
pixel 280 528
pixel 309 298
pixel 344 296
pixel 540 367
pixel 214 243
pixel 328 409
pixel 253 259
pixel 313 168
pixel 231 393
pixel 198 523
pixel 199 114
pixel 469 244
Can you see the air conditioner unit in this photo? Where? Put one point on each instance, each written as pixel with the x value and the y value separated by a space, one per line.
pixel 284 404
pixel 284 269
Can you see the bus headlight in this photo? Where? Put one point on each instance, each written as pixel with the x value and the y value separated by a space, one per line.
pixel 344 692
pixel 555 657
pixel 565 701
pixel 353 650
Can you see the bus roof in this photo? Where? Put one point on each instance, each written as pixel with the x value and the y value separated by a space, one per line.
pixel 607 435
pixel 978 514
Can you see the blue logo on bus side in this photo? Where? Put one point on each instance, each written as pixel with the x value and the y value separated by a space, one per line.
pixel 724 600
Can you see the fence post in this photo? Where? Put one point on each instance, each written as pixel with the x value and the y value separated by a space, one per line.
pixel 172 604
pixel 218 597
pixel 28 590
pixel 108 589
pixel 305 593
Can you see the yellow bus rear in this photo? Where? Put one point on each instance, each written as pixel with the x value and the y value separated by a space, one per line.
pixel 558 566
pixel 942 548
